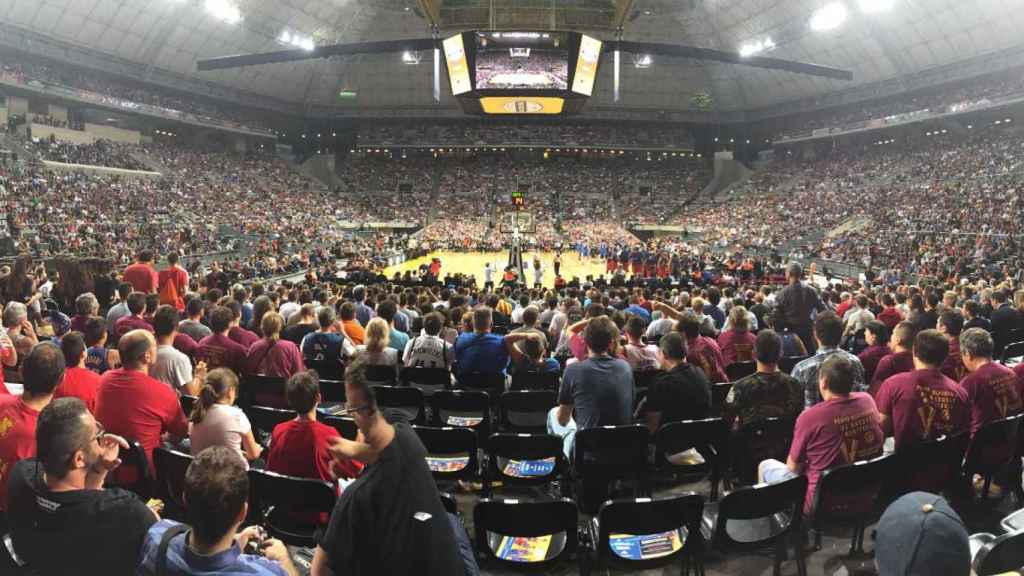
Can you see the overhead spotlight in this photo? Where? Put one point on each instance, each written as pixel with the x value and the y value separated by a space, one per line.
pixel 224 11
pixel 642 61
pixel 875 6
pixel 410 57
pixel 998 122
pixel 1008 120
pixel 756 47
pixel 828 17
pixel 970 126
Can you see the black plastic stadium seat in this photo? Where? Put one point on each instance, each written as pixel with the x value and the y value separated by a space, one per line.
pixel 602 455
pixel 534 536
pixel 525 410
pixel 292 509
pixel 849 495
pixel 265 419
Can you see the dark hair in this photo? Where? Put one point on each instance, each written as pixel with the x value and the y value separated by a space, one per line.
pixel 387 311
pixel 152 302
pixel 768 347
pixel 530 315
pixel 533 348
pixel 432 323
pixel 880 330
pixel 953 321
pixel 973 308
pixel 347 311
pixel 828 328
pixel 218 383
pixel 137 302
pixel 302 391
pixel 481 318
pixel 325 316
pixel 355 378
pixel 95 329
pixel 999 296
pixel 673 346
pixel 172 258
pixel 72 346
pixel 220 319
pixel 165 320
pixel 145 256
pixel 124 289
pixel 599 334
pixel 60 432
pixel 931 347
pixel 216 489
pixel 977 343
pixel 838 373
pixel 194 306
pixel 907 331
pixel 43 369
pixel 689 325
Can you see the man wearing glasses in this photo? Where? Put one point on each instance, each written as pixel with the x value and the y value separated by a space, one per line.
pixel 58 498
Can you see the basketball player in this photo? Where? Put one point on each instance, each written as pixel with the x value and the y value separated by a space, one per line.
pixel 488 276
pixel 538 273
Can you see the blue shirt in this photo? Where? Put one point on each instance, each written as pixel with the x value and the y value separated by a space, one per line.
pixel 483 353
pixel 364 313
pixel 637 310
pixel 181 560
pixel 397 340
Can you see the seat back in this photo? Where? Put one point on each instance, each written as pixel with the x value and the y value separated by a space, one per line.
pixel 738 370
pixel 428 380
pixel 1013 350
pixel 993 446
pixel 451 452
pixel 535 380
pixel 134 473
pixel 262 391
pixel 929 466
pixel 463 408
pixel 326 368
pixel 525 410
pixel 187 402
pixel 608 453
pixel 676 437
pixel 719 392
pixel 345 426
pixel 493 383
pixel 786 363
pixel 849 492
pixel 1002 555
pixel 332 390
pixel 404 399
pixel 264 419
pixel 500 524
pixel 171 466
pixel 292 508
pixel 671 525
pixel 524 458
pixel 781 504
pixel 758 441
pixel 380 375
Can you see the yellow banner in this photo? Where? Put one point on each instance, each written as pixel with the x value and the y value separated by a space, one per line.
pixel 521 105
pixel 586 65
pixel 458 68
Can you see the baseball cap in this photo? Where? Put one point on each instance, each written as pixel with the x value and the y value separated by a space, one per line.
pixel 920 535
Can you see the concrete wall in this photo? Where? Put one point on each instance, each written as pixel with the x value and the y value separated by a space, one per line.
pixel 58 112
pixel 17 105
pixel 63 134
pixel 3 116
pixel 100 170
pixel 113 134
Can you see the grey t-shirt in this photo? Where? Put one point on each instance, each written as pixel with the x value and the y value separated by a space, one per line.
pixel 194 330
pixel 171 367
pixel 600 390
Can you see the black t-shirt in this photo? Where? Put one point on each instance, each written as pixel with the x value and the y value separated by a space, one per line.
pixel 296 332
pixel 78 532
pixel 390 520
pixel 682 393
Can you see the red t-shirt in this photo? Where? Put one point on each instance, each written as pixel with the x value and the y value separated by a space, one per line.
pixel 953 367
pixel 843 307
pixel 131 322
pixel 736 346
pixel 5 353
pixel 923 404
pixel 142 277
pixel 218 351
pixel 137 407
pixel 890 317
pixel 179 277
pixel 704 353
pixel 838 431
pixel 80 383
pixel 274 358
pixel 888 366
pixel 994 393
pixel 244 337
pixel 299 448
pixel 17 438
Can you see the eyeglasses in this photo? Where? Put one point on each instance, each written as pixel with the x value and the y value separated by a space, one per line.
pixel 350 409
pixel 101 432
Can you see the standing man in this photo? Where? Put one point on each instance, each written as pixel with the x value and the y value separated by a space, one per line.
pixel 141 274
pixel 794 306
pixel 173 283
pixel 488 276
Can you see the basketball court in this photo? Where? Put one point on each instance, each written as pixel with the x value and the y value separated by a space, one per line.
pixel 473 263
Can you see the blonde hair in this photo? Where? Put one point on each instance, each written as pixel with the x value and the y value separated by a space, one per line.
pixel 697 304
pixel 738 319
pixel 378 334
pixel 1018 299
pixel 271 325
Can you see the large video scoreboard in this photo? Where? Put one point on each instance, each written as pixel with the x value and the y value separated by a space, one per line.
pixel 522 72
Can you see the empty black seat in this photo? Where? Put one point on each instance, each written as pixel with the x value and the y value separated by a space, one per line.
pixel 264 419
pixel 170 466
pixel 332 390
pixel 491 382
pixel 609 453
pixel 1012 351
pixel 719 392
pixel 326 368
pixel 758 441
pixel 345 426
pixel 463 408
pixel 405 400
pixel 929 466
pixel 535 380
pixel 993 450
pixel 525 410
pixel 997 555
pixel 381 375
pixel 738 370
pixel 187 402
pixel 292 508
pixel 262 391
pixel 711 439
pixel 528 535
pixel 759 517
pixel 849 495
pixel 523 460
pixel 428 380
pixel 451 452
pixel 645 533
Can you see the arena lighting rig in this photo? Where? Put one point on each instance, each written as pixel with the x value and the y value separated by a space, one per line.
pixel 521 72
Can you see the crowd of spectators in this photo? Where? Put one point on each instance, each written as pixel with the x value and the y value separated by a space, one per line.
pixel 496 133
pixel 98 153
pixel 495 70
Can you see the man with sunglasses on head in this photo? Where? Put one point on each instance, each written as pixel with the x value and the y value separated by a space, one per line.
pixel 62 519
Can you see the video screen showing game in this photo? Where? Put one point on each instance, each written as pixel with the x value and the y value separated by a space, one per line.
pixel 521 61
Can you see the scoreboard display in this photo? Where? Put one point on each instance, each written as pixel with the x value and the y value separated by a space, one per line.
pixel 522 72
pixel 519 198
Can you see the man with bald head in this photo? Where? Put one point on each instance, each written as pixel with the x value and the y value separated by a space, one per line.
pixel 132 404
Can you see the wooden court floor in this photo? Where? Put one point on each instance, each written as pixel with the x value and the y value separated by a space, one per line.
pixel 473 263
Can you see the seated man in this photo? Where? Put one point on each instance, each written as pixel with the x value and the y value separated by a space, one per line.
pixel 841 429
pixel 218 350
pixel 135 319
pixel 480 351
pixel 327 347
pixel 993 390
pixel 78 381
pixel 62 519
pixel 217 490
pixel 768 392
pixel 595 392
pixel 923 404
pixel 899 360
pixel 951 323
pixel 681 391
pixel 828 332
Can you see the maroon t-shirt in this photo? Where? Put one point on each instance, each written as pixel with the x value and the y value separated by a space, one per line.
pixel 888 366
pixel 923 404
pixel 953 367
pixel 274 358
pixel 219 351
pixel 835 432
pixel 994 393
pixel 870 358
pixel 705 353
pixel 890 317
pixel 244 337
pixel 128 323
pixel 185 344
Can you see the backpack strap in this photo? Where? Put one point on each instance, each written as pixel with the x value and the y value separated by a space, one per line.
pixel 165 541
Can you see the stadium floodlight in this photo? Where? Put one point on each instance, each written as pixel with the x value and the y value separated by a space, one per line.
pixel 286 37
pixel 307 44
pixel 756 47
pixel 412 58
pixel 875 6
pixel 642 60
pixel 828 17
pixel 224 11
